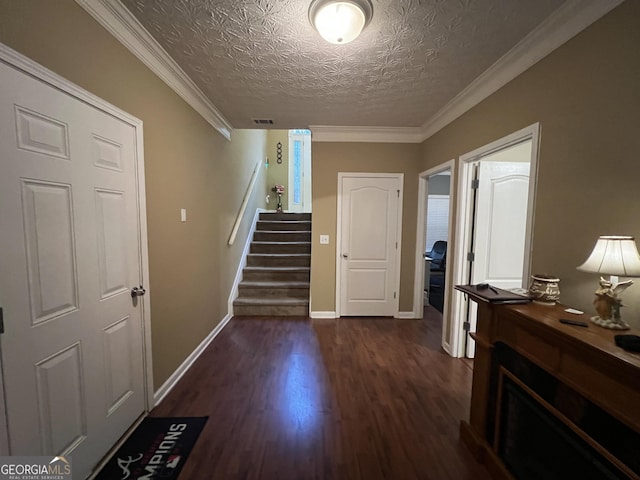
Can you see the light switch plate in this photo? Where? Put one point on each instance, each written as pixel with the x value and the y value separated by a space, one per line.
pixel 324 239
pixel 183 214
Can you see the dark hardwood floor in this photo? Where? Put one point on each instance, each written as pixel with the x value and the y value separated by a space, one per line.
pixel 352 398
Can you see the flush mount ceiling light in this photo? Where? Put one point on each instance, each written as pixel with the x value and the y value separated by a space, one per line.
pixel 340 21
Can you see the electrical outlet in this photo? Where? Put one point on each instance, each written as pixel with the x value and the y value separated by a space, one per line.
pixel 324 239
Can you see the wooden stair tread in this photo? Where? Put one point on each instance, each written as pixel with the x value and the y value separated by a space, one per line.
pixel 260 268
pixel 271 301
pixel 281 254
pixel 264 242
pixel 273 284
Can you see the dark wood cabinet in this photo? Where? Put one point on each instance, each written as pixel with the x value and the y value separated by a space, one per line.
pixel 573 381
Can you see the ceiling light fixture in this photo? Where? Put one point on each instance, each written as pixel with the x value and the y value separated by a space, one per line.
pixel 341 21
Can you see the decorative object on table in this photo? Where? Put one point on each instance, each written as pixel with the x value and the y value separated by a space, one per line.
pixel 631 343
pixel 488 293
pixel 279 190
pixel 279 152
pixel 614 256
pixel 544 289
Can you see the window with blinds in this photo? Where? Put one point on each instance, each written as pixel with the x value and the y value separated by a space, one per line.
pixel 437 219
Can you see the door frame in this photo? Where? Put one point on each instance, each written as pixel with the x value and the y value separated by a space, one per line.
pixel 29 67
pixel 464 220
pixel 341 177
pixel 421 230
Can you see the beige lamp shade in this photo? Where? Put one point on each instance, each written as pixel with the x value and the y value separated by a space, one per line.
pixel 614 255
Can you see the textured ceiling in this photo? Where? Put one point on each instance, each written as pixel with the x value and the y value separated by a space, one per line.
pixel 263 59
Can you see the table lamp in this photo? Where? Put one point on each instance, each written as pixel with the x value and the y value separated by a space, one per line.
pixel 614 256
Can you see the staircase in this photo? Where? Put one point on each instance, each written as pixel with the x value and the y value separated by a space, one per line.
pixel 275 281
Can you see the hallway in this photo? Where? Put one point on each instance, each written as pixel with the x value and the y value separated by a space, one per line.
pixel 358 398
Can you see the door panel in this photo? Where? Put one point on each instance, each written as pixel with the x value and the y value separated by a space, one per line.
pixel 48 227
pixel 61 403
pixel 500 226
pixel 72 353
pixel 369 219
pixel 501 223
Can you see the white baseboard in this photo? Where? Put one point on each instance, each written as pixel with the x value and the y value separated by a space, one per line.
pixel 171 382
pixel 406 315
pixel 323 315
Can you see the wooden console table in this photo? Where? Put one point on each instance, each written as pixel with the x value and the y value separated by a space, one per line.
pixel 585 360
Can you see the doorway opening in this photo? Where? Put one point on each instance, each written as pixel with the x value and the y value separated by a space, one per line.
pixel 434 232
pixel 289 165
pixel 494 226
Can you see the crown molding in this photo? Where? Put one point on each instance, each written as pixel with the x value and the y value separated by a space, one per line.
pixel 125 27
pixel 328 133
pixel 569 20
pixel 565 23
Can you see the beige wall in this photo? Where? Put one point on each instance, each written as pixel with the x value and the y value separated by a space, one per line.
pixel 586 96
pixel 188 165
pixel 278 173
pixel 327 160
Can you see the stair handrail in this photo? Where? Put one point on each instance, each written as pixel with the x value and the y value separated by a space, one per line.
pixel 245 202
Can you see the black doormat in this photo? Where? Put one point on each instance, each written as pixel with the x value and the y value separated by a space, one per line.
pixel 156 450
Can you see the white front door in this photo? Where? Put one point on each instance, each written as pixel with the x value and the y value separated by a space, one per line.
pixel 500 226
pixel 70 251
pixel 369 245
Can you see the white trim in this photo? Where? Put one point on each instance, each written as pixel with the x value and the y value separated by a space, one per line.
pixel 144 258
pixel 24 64
pixel 323 315
pixel 418 297
pixel 126 28
pixel 327 133
pixel 398 265
pixel 565 23
pixel 243 261
pixel 464 219
pixel 406 316
pixel 175 377
pixel 28 66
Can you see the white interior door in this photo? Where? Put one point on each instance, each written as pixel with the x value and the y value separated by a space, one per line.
pixel 369 245
pixel 500 226
pixel 72 351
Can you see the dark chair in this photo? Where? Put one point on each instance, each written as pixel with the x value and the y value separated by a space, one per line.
pixel 438 255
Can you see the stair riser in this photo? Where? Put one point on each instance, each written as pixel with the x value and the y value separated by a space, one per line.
pixel 250 292
pixel 275 276
pixel 282 248
pixel 271 310
pixel 299 236
pixel 306 217
pixel 279 226
pixel 286 261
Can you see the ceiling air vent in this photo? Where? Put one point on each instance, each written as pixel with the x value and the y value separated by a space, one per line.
pixel 262 121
